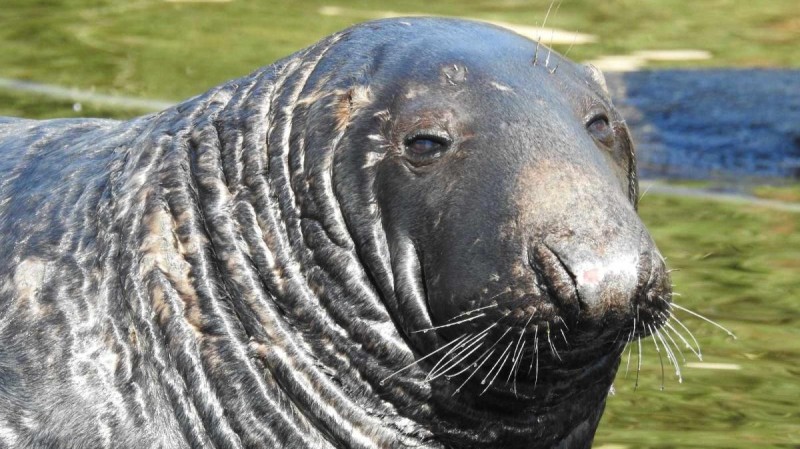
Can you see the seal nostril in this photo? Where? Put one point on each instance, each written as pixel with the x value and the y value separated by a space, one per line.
pixel 556 278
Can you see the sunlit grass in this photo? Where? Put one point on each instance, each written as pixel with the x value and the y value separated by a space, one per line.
pixel 158 49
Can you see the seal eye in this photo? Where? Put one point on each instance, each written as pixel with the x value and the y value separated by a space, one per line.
pixel 421 145
pixel 425 146
pixel 600 127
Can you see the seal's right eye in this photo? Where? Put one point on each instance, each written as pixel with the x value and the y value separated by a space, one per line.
pixel 426 146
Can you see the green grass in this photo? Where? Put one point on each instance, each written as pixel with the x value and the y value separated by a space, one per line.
pixel 156 49
pixel 42 107
pixel 790 193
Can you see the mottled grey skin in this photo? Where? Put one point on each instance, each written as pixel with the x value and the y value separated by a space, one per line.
pixel 260 266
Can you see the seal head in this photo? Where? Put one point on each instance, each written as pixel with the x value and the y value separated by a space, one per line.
pixel 505 182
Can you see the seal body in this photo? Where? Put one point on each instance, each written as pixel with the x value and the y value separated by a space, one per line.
pixel 417 232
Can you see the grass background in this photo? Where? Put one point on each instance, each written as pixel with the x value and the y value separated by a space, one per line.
pixel 160 49
pixel 737 264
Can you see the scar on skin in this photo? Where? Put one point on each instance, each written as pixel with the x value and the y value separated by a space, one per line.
pixel 162 251
pixel 416 91
pixel 454 74
pixel 500 86
pixel 349 103
pixel 313 97
pixel 28 280
pixel 372 158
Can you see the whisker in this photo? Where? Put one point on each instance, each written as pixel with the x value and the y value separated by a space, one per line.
pixel 670 356
pixel 681 337
pixel 464 338
pixel 708 320
pixel 517 367
pixel 496 341
pixel 469 344
pixel 666 331
pixel 514 359
pixel 552 346
pixel 564 323
pixel 691 335
pixel 645 191
pixel 469 312
pixel 638 364
pixel 452 361
pixel 504 357
pixel 468 367
pixel 566 53
pixel 455 364
pixel 480 315
pixel 541 29
pixel 518 353
pixel 417 361
pixel 630 348
pixel 552 35
pixel 535 346
pixel 660 358
pixel 490 352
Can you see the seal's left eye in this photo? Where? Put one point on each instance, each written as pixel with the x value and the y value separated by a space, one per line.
pixel 600 127
pixel 426 145
pixel 422 145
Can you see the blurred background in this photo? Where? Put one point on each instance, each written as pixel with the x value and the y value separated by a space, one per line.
pixel 710 88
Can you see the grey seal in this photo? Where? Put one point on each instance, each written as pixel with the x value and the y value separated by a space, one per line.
pixel 414 233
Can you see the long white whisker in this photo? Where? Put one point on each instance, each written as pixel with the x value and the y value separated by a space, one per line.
pixel 630 348
pixel 680 307
pixel 504 357
pixel 660 358
pixel 638 364
pixel 666 332
pixel 552 35
pixel 552 346
pixel 518 353
pixel 489 351
pixel 455 363
pixel 467 345
pixel 670 356
pixel 681 337
pixel 699 353
pixel 468 367
pixel 535 346
pixel 516 366
pixel 418 360
pixel 449 324
pixel 470 312
pixel 541 30
pixel 464 338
